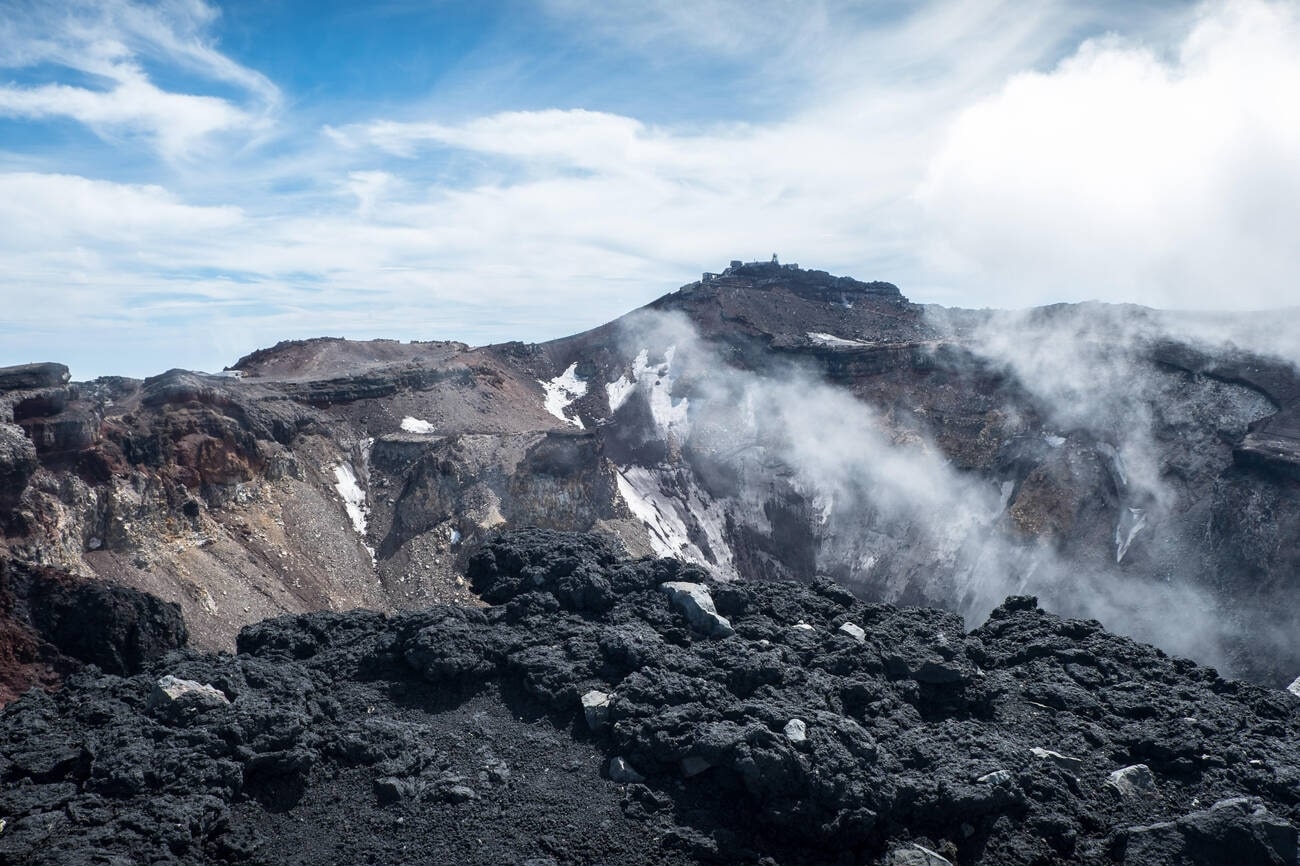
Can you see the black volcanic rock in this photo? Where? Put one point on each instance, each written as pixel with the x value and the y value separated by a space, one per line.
pixel 53 623
pixel 27 376
pixel 458 735
pixel 113 627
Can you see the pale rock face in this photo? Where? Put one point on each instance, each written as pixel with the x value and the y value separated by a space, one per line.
pixel 173 693
pixel 1065 762
pixel 997 777
pixel 854 631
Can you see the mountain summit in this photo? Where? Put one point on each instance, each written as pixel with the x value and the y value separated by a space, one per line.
pixel 765 422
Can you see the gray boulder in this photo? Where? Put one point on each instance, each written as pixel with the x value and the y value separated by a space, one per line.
pixel 178 698
pixel 854 631
pixel 693 765
pixel 1236 830
pixel 997 777
pixel 1065 762
pixel 693 600
pixel 1132 781
pixel 796 731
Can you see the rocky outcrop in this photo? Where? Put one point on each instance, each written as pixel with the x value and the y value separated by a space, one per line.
pixel 30 376
pixel 17 465
pixel 461 735
pixel 1272 443
pixel 53 623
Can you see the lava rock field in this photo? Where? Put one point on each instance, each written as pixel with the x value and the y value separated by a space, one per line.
pixel 588 716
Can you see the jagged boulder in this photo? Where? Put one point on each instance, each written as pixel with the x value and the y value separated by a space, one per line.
pixel 181 700
pixel 693 600
pixel 92 622
pixel 1234 830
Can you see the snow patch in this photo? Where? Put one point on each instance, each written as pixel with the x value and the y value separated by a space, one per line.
pixel 354 500
pixel 563 390
pixel 1054 441
pixel 656 380
pixel 416 425
pixel 668 536
pixel 822 339
pixel 620 389
pixel 1131 522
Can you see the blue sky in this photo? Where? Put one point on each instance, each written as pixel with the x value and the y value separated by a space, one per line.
pixel 183 182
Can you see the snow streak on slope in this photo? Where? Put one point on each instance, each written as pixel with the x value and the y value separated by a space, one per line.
pixel 668 535
pixel 563 390
pixel 623 387
pixel 832 340
pixel 666 519
pixel 354 498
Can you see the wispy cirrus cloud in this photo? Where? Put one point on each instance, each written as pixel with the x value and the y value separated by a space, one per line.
pixel 107 45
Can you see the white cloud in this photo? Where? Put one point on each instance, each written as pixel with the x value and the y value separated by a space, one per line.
pixel 108 41
pixel 1125 174
pixel 52 211
pixel 175 122
pixel 530 224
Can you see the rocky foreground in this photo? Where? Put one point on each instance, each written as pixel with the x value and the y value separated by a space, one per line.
pixel 603 710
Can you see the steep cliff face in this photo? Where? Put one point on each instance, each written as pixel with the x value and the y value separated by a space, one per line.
pixel 766 422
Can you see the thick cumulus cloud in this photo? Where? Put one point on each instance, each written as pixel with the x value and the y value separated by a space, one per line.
pixel 1129 173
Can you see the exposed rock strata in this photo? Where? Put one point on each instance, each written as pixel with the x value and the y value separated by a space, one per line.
pixel 337 474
